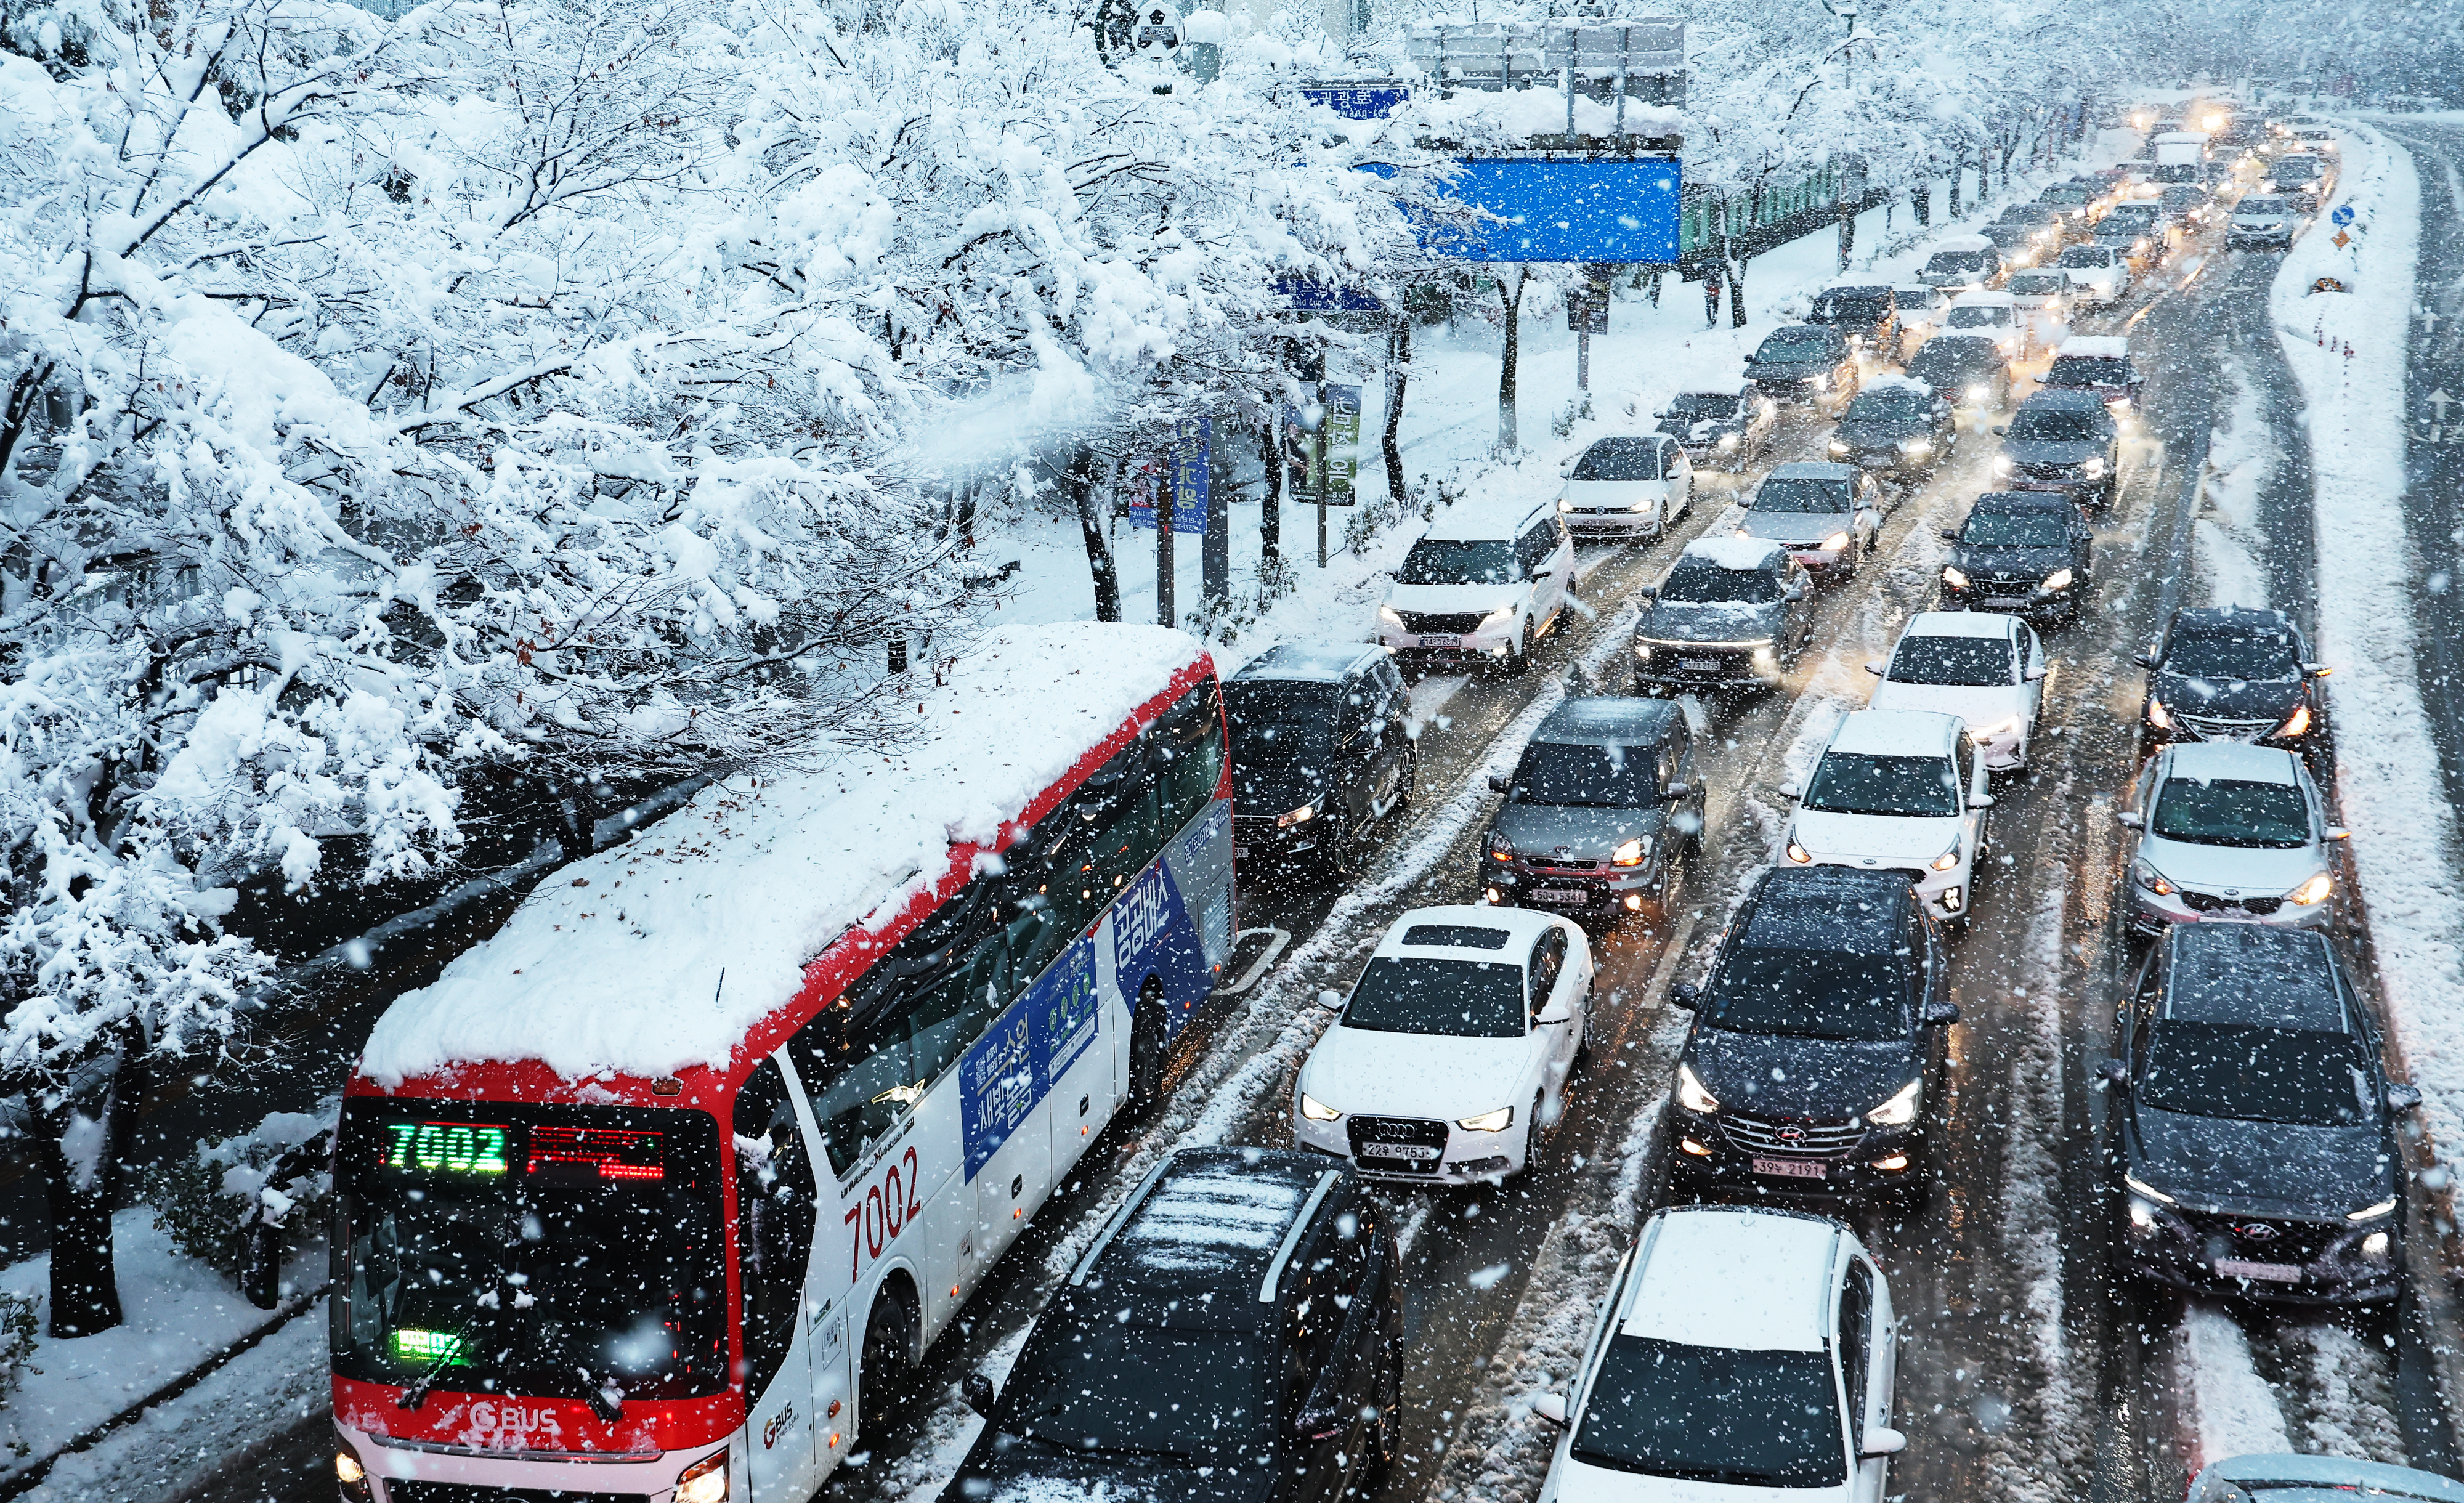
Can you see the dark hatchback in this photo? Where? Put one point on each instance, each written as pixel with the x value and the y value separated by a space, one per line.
pixel 1868 316
pixel 2253 1131
pixel 1600 811
pixel 2231 674
pixel 1896 426
pixel 1963 369
pixel 2024 552
pixel 1732 613
pixel 1804 362
pixel 2062 441
pixel 1322 752
pixel 1234 1335
pixel 1818 1044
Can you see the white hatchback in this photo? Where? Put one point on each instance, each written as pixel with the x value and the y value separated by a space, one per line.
pixel 1897 790
pixel 1742 1354
pixel 1987 668
pixel 1453 1048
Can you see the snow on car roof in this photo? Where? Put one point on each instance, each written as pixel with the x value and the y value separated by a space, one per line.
pixel 1962 242
pixel 1896 733
pixel 613 964
pixel 2099 346
pixel 1215 1216
pixel 1958 623
pixel 2254 975
pixel 2234 759
pixel 1896 383
pixel 1983 297
pixel 1480 521
pixel 1734 1276
pixel 1830 909
pixel 1732 553
pixel 1307 662
pixel 1520 925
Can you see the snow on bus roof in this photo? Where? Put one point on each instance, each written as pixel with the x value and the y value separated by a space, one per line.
pixel 611 966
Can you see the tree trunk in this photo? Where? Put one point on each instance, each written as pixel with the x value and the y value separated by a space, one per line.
pixel 1735 267
pixel 1958 167
pixel 1270 516
pixel 1507 440
pixel 1091 525
pixel 81 1161
pixel 1399 370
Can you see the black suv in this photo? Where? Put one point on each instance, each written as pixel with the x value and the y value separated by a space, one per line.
pixel 2020 551
pixel 1963 369
pixel 1896 426
pixel 1820 1043
pixel 1600 810
pixel 1804 362
pixel 1869 316
pixel 2234 674
pixel 2062 441
pixel 1233 1334
pixel 2253 1131
pixel 1322 752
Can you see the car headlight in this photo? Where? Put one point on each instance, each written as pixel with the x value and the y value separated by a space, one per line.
pixel 705 1481
pixel 1503 615
pixel 1496 1121
pixel 1643 505
pixel 2372 1212
pixel 1948 860
pixel 2143 1187
pixel 1900 1110
pixel 2094 468
pixel 1631 853
pixel 1836 543
pixel 1299 816
pixel 1953 577
pixel 1822 382
pixel 2142 1215
pixel 2313 892
pixel 1838 446
pixel 1977 392
pixel 1317 1111
pixel 1642 651
pixel 2148 878
pixel 1798 853
pixel 1565 504
pixel 2008 725
pixel 1690 1094
pixel 1728 440
pixel 1916 446
pixel 2001 464
pixel 1390 615
pixel 2059 579
pixel 1500 848
pixel 2158 715
pixel 2297 722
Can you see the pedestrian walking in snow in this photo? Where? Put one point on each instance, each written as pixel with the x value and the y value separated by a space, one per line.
pixel 1711 300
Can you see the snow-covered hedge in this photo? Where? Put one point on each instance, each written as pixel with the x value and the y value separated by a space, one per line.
pixel 200 1201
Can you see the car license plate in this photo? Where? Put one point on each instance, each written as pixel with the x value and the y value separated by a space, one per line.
pixel 2272 1272
pixel 1240 852
pixel 1560 894
pixel 1876 462
pixel 1701 665
pixel 2002 602
pixel 1791 1168
pixel 1412 1151
pixel 1441 641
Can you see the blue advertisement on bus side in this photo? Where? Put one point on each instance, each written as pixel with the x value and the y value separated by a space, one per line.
pixel 1034 1044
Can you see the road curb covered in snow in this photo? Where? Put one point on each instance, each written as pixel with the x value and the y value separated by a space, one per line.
pixel 2348 350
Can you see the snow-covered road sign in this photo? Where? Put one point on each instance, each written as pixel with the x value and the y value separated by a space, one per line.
pixel 1623 210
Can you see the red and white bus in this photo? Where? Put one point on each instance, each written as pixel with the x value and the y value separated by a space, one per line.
pixel 647 1193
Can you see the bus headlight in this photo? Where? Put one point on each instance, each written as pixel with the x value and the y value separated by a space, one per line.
pixel 705 1481
pixel 351 1478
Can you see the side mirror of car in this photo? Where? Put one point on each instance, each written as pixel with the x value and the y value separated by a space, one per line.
pixel 1875 669
pixel 1940 1013
pixel 1675 791
pixel 1980 800
pixel 2130 819
pixel 1331 1000
pixel 976 1392
pixel 1685 995
pixel 2144 660
pixel 1797 592
pixel 1951 535
pixel 1880 1439
pixel 1649 591
pixel 2316 670
pixel 1497 782
pixel 2000 429
pixel 2402 1097
pixel 2037 672
pixel 1789 789
pixel 2116 1070
pixel 1555 1013
pixel 1551 1407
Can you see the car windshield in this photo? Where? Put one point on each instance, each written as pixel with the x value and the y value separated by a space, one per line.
pixel 1700 581
pixel 2252 658
pixel 1587 776
pixel 1889 403
pixel 1957 261
pixel 1448 561
pixel 1696 407
pixel 2232 811
pixel 1993 315
pixel 1620 459
pixel 2137 215
pixel 2310 1076
pixel 1756 1419
pixel 552 1251
pixel 2184 197
pixel 1117 1389
pixel 1809 994
pixel 1955 357
pixel 1971 661
pixel 2039 284
pixel 2294 170
pixel 2086 257
pixel 1795 497
pixel 2015 530
pixel 1794 343
pixel 1852 307
pixel 1870 782
pixel 1279 724
pixel 2058 424
pixel 2089 371
pixel 1449 998
pixel 2265 208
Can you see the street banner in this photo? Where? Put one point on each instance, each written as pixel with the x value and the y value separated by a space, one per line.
pixel 1342 443
pixel 1185 466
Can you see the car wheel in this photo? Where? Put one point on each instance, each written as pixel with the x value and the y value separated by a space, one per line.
pixel 1411 785
pixel 1663 896
pixel 1519 662
pixel 1148 1054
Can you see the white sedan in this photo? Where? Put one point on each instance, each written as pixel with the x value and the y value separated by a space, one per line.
pixel 1453 1048
pixel 1987 668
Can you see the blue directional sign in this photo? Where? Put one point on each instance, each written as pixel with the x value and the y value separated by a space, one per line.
pixel 2343 215
pixel 1359 102
pixel 1567 208
pixel 1315 296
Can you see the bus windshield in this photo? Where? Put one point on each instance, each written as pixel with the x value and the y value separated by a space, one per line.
pixel 548 1251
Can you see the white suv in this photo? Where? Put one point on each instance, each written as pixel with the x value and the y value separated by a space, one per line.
pixel 1743 1353
pixel 1897 790
pixel 1480 588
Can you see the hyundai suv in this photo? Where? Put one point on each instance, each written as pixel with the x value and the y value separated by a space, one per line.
pixel 1601 810
pixel 2024 552
pixel 1730 614
pixel 1898 790
pixel 2235 675
pixel 2061 440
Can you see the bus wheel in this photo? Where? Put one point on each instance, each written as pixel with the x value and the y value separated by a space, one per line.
pixel 889 1337
pixel 1147 1053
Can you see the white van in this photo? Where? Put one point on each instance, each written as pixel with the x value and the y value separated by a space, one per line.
pixel 1480 588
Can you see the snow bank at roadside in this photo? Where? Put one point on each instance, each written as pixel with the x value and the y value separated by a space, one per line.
pixel 2231 1409
pixel 2348 352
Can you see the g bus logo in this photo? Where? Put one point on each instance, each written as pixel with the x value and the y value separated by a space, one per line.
pixel 515 1419
pixel 777 1427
